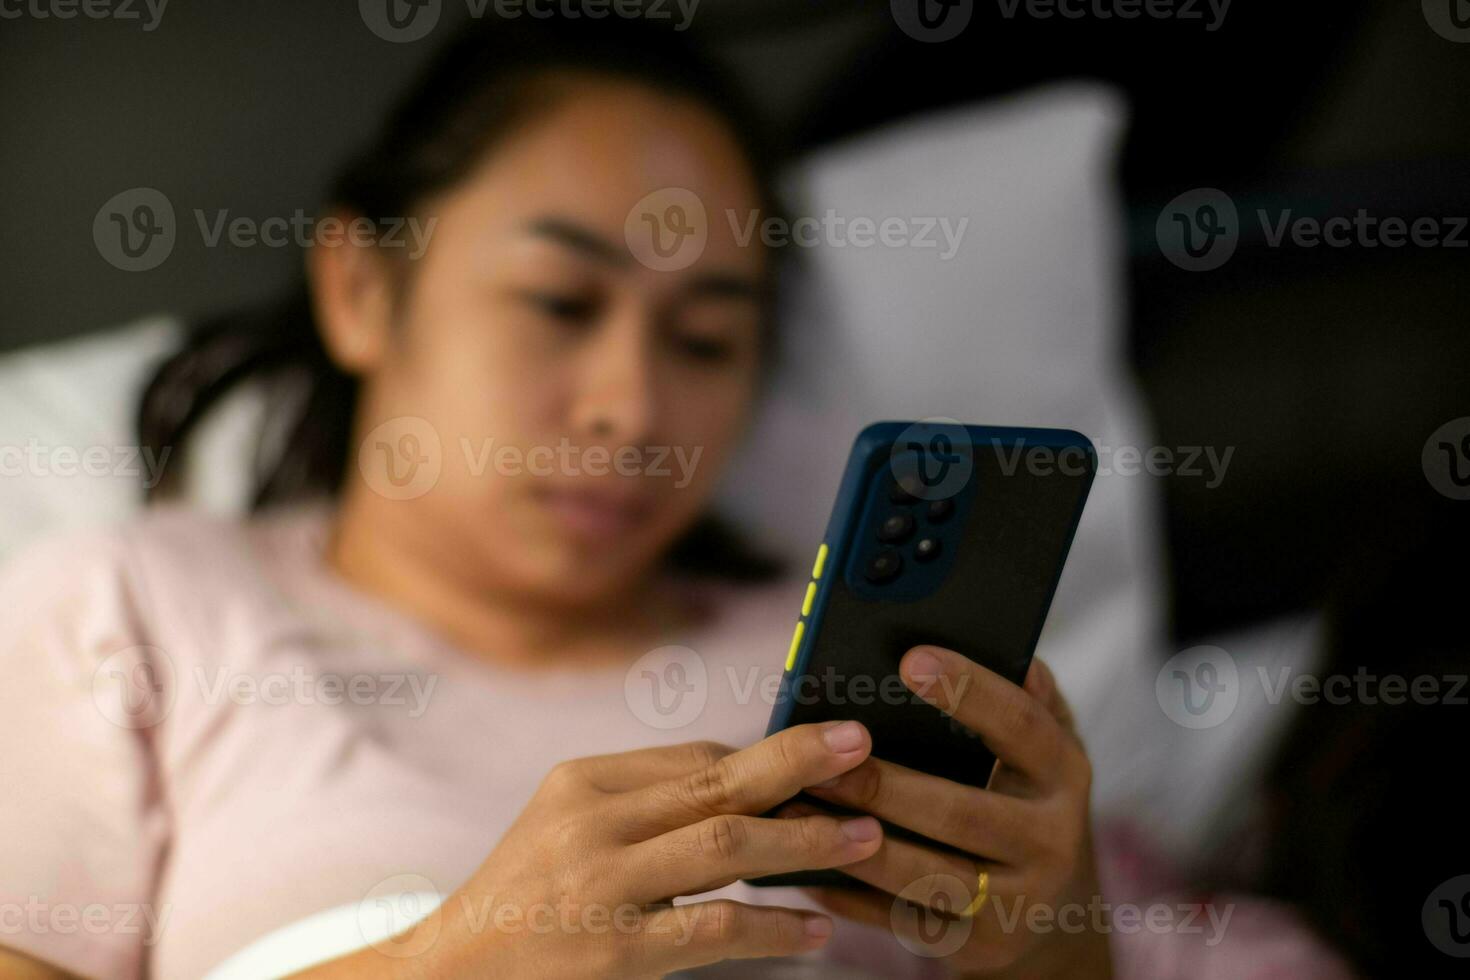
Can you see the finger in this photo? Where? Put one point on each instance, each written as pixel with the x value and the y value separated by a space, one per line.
pixel 863 904
pixel 1041 684
pixel 682 937
pixel 1016 727
pixel 939 880
pixel 752 780
pixel 619 772
pixel 921 874
pixel 727 847
pixel 987 938
pixel 974 820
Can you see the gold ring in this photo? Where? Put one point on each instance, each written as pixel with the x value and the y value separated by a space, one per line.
pixel 982 895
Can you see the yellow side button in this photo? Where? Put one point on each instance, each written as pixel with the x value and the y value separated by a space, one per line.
pixel 795 642
pixel 821 560
pixel 811 594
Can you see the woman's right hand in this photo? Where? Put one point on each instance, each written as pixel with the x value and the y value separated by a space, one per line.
pixel 580 884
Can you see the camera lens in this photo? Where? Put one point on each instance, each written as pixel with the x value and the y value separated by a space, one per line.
pixel 904 490
pixel 884 566
pixel 939 510
pixel 896 528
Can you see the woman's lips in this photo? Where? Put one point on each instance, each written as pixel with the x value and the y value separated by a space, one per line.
pixel 592 513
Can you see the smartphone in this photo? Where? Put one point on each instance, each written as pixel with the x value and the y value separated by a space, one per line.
pixel 945 534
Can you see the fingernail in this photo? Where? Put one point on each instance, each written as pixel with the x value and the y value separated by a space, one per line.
pixel 921 665
pixel 861 829
pixel 818 927
pixel 844 736
pixel 826 783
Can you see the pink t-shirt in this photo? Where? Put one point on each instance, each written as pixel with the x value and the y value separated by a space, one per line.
pixel 208 737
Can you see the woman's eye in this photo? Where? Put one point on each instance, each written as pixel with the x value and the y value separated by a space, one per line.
pixel 706 349
pixel 572 310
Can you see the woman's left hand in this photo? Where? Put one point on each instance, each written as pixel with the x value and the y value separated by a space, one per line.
pixel 1031 898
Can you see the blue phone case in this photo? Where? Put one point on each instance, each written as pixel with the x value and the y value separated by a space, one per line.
pixel 998 507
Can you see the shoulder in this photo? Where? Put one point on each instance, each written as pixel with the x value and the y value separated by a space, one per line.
pixel 171 572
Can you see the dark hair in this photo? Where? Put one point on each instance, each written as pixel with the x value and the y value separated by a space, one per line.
pixel 486 82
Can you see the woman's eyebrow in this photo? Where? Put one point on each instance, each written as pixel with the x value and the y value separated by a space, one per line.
pixel 580 239
pixel 585 241
pixel 726 285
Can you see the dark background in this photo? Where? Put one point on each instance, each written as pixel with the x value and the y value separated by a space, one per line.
pixel 1327 369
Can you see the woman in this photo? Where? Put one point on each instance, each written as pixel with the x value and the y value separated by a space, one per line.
pixel 423 684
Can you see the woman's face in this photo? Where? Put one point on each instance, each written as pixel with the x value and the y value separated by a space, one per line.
pixel 549 394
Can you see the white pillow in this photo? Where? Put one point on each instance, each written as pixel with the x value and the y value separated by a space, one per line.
pixel 69 454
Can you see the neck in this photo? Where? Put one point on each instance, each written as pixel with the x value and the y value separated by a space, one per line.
pixel 371 547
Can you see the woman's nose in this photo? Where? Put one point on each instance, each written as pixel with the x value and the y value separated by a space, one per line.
pixel 615 400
